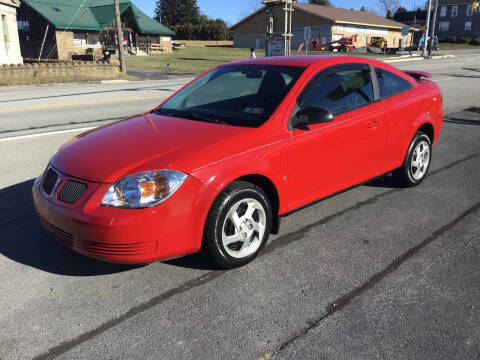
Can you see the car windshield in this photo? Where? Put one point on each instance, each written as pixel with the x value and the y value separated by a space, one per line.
pixel 238 95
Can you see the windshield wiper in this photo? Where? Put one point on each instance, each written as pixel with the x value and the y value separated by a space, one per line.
pixel 196 116
pixel 191 115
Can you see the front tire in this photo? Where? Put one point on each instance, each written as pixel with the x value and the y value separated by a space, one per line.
pixel 417 162
pixel 238 225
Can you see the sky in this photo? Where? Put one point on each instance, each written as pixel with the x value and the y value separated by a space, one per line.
pixel 233 11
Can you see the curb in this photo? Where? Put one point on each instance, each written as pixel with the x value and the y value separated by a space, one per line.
pixel 114 81
pixel 420 58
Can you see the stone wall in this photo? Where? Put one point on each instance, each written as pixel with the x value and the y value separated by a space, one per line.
pixel 58 72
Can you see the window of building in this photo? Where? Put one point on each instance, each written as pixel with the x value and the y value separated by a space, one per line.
pixel 454 10
pixel 443 26
pixel 443 11
pixel 469 10
pixel 390 84
pixel 468 25
pixel 342 91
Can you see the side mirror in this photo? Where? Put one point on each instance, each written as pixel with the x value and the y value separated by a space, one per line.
pixel 311 115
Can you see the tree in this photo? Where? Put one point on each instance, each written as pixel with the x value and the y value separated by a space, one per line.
pixel 320 2
pixel 183 16
pixel 389 6
pixel 177 12
pixel 389 14
pixel 363 8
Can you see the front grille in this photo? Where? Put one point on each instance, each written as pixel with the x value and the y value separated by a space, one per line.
pixel 49 181
pixel 141 248
pixel 72 191
pixel 63 236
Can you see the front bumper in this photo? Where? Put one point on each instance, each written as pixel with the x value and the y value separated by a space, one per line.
pixel 170 229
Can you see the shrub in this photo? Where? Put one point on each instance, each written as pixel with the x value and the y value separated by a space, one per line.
pixel 475 42
pixel 464 40
pixel 451 39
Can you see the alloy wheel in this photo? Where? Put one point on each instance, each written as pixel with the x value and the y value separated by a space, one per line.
pixel 420 160
pixel 243 228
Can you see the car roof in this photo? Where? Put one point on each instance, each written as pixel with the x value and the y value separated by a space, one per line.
pixel 327 60
pixel 303 60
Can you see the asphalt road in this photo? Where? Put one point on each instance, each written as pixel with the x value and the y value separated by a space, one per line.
pixel 377 272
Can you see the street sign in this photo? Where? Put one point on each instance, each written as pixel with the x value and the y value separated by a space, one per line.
pixel 405 30
pixel 307 33
pixel 276 46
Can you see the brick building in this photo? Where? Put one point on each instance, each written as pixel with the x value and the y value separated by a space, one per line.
pixel 327 24
pixel 70 27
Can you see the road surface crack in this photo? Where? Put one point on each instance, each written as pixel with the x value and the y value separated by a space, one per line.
pixel 341 302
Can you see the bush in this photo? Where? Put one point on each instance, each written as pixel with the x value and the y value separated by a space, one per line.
pixel 475 41
pixel 451 39
pixel 464 40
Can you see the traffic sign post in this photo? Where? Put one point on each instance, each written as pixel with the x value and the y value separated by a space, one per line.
pixel 274 32
pixel 307 34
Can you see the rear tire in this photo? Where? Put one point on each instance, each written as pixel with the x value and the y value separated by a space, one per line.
pixel 238 225
pixel 417 162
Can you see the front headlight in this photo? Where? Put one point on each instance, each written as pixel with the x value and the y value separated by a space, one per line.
pixel 143 190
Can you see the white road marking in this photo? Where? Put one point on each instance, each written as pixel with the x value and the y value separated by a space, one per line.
pixel 442 79
pixel 46 134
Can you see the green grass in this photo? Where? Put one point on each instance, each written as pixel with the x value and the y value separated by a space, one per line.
pixel 199 59
pixel 188 60
pixel 450 46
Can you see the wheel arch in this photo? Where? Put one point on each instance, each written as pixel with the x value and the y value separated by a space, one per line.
pixel 270 189
pixel 428 129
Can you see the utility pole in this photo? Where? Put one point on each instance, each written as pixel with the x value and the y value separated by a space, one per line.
pixel 120 38
pixel 432 33
pixel 424 52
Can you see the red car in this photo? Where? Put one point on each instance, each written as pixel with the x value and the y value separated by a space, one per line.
pixel 220 161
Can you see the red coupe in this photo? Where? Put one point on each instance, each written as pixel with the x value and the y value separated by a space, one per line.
pixel 221 160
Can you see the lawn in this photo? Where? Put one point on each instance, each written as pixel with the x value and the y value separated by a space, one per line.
pixel 188 60
pixel 199 59
pixel 450 46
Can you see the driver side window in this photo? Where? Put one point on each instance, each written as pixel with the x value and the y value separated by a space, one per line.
pixel 341 91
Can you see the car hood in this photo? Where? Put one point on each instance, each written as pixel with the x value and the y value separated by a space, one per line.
pixel 148 142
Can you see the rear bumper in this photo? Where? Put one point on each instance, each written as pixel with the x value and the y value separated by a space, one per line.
pixel 170 229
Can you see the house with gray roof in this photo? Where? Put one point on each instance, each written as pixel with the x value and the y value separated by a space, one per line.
pixel 327 24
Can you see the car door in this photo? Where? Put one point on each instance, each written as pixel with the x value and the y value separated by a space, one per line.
pixel 328 157
pixel 403 106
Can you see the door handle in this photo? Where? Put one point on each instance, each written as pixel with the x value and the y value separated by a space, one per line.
pixel 373 124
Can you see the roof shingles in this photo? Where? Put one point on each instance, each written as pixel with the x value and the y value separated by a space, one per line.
pixel 92 15
pixel 346 16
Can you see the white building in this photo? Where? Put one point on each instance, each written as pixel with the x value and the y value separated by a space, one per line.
pixel 9 43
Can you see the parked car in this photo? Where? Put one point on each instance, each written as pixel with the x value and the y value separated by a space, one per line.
pixel 177 45
pixel 221 160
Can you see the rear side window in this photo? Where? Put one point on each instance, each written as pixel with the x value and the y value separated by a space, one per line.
pixel 341 91
pixel 390 84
